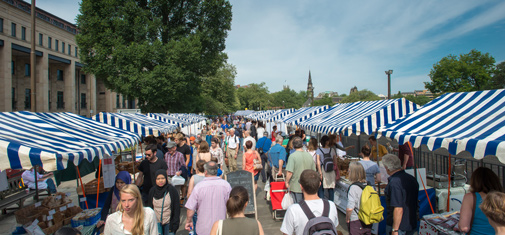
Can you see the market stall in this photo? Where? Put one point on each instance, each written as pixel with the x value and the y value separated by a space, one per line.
pixel 303 114
pixel 274 119
pixel 466 121
pixel 135 122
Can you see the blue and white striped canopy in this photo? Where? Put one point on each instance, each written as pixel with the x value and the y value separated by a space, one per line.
pixel 277 115
pixel 169 119
pixel 51 140
pixel 468 121
pixel 360 117
pixel 243 112
pixel 259 115
pixel 135 122
pixel 303 114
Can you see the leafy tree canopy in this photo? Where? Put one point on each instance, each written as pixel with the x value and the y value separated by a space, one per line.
pixel 363 95
pixel 463 73
pixel 157 51
pixel 420 100
pixel 498 80
pixel 254 96
pixel 218 91
pixel 288 98
pixel 326 100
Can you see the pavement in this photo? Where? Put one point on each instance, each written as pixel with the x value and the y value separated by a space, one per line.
pixel 270 226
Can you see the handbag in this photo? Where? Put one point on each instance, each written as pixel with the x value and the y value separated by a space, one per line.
pixel 257 165
pixel 287 201
pixel 337 171
pixel 160 226
pixel 178 180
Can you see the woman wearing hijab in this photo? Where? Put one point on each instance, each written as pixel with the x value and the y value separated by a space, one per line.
pixel 122 178
pixel 164 199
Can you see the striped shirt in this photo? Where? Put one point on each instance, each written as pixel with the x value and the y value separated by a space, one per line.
pixel 174 162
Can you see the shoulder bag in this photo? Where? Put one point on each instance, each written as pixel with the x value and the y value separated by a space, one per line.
pixel 160 225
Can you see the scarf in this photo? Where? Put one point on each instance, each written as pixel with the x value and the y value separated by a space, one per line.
pixel 159 192
pixel 125 177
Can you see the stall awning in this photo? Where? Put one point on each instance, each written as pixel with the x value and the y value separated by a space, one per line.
pixel 168 119
pixel 243 112
pixel 303 114
pixel 360 117
pixel 51 140
pixel 259 115
pixel 135 122
pixel 468 121
pixel 277 115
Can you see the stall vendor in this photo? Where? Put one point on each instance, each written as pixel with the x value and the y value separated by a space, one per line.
pixel 44 181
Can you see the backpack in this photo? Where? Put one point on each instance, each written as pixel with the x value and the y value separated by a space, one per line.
pixel 370 208
pixel 318 225
pixel 327 161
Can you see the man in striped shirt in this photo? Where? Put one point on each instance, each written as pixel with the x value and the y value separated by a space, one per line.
pixel 175 160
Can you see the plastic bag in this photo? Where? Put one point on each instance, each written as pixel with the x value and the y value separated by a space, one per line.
pixel 287 201
pixel 178 180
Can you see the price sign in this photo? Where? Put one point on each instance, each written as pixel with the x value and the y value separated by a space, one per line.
pixel 50 217
pixel 83 199
pixel 52 212
pixel 58 197
pixel 38 204
pixel 70 205
pixel 35 222
pixel 63 208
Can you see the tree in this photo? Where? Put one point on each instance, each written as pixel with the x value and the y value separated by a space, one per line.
pixel 157 51
pixel 498 80
pixel 326 100
pixel 363 95
pixel 468 72
pixel 254 96
pixel 218 91
pixel 287 98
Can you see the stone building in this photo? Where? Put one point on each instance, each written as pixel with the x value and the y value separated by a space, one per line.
pixel 61 85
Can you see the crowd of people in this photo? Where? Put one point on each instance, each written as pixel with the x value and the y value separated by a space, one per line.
pixel 152 204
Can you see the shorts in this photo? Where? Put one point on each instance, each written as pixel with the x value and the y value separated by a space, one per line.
pixel 257 176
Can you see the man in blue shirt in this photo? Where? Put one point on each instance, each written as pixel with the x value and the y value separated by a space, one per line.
pixel 225 126
pixel 263 146
pixel 277 158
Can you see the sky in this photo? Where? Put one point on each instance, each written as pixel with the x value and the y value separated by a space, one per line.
pixel 348 43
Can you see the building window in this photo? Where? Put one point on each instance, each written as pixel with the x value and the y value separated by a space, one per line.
pixel 59 100
pixel 131 103
pixel 13 67
pixel 13 30
pixel 83 100
pixel 124 102
pixel 69 49
pixel 56 45
pixel 23 33
pixel 75 51
pixel 14 99
pixel 27 70
pixel 83 78
pixel 1 25
pixel 63 47
pixel 28 98
pixel 49 42
pixel 117 102
pixel 41 40
pixel 49 99
pixel 59 75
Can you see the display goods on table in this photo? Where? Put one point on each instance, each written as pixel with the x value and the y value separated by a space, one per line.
pixel 86 217
pixel 446 223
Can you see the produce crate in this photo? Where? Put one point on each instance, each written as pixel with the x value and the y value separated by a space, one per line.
pixel 28 214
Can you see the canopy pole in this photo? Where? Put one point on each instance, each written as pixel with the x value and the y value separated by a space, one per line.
pixel 449 188
pixel 98 184
pixel 36 174
pixel 422 181
pixel 134 159
pixel 82 186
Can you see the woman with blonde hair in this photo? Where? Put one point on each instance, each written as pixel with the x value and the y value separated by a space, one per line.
pixel 494 209
pixel 203 152
pixel 312 148
pixel 131 216
pixel 357 176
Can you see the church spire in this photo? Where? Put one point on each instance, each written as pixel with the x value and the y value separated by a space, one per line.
pixel 310 90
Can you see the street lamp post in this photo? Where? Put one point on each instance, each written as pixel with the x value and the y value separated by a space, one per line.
pixel 389 72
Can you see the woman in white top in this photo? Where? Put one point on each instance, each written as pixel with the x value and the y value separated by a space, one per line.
pixel 329 175
pixel 312 148
pixel 217 152
pixel 131 216
pixel 356 175
pixel 259 131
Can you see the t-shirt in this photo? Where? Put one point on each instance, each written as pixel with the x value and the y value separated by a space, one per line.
pixel 252 140
pixel 405 149
pixel 265 143
pixel 353 200
pixel 295 219
pixel 260 132
pixel 185 150
pixel 298 162
pixel 371 169
pixel 149 169
pixel 402 191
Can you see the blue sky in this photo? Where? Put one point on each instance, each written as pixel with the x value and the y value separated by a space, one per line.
pixel 349 43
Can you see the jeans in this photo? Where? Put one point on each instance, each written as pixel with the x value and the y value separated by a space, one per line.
pixel 195 217
pixel 322 191
pixel 389 229
pixel 50 186
pixel 166 229
pixel 264 160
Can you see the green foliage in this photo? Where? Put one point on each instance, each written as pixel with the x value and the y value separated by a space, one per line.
pixel 326 100
pixel 363 95
pixel 498 80
pixel 288 98
pixel 468 72
pixel 420 100
pixel 254 97
pixel 157 51
pixel 218 91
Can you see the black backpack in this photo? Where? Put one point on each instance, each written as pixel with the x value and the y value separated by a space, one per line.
pixel 327 161
pixel 318 225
